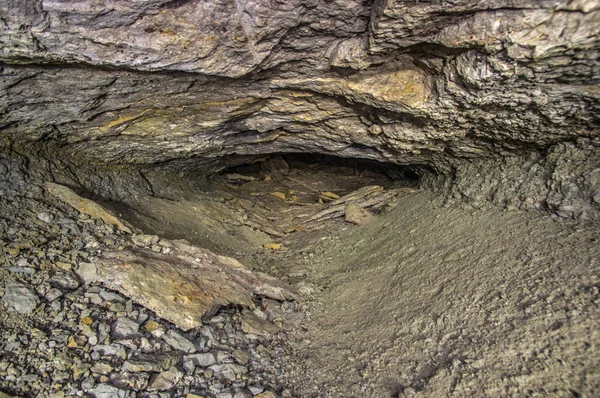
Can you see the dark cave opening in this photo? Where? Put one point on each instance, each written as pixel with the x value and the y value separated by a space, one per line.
pixel 277 165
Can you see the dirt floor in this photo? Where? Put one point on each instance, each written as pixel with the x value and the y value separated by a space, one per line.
pixel 422 299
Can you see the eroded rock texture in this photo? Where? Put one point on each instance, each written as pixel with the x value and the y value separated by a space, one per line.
pixel 490 101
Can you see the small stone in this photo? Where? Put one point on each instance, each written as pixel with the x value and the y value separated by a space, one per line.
pixel 255 390
pixel 87 272
pixel 375 129
pixel 45 217
pixel 111 350
pixel 64 280
pixel 124 328
pixel 242 394
pixel 252 324
pixel 151 363
pixel 53 294
pixel 144 240
pixel 194 396
pixel 64 266
pixel 179 342
pixel 357 215
pixel 266 394
pixel 165 380
pixel 189 367
pixel 102 368
pixel 201 359
pixel 19 297
pixel 130 381
pixel 242 357
pixel 329 195
pixel 86 320
pixel 111 296
pixel 152 326
pixel 106 391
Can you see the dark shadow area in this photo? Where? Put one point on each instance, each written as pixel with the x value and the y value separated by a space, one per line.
pixel 385 174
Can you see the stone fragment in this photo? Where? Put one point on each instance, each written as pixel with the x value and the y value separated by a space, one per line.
pixel 145 240
pixel 201 359
pixel 375 129
pixel 329 195
pixel 53 294
pixel 130 381
pixel 165 380
pixel 111 350
pixel 19 298
pixel 102 368
pixel 151 362
pixel 242 357
pixel 187 285
pixel 266 394
pixel 85 206
pixel 125 328
pixel 45 217
pixel 87 272
pixel 64 280
pixel 111 296
pixel 106 391
pixel 179 342
pixel 357 215
pixel 252 324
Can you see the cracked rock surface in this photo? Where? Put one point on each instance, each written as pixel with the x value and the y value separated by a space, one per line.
pixel 299 198
pixel 114 96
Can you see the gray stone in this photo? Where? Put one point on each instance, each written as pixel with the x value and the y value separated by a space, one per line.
pixel 53 294
pixel 106 391
pixel 45 217
pixel 165 380
pixel 111 350
pixel 64 280
pixel 179 342
pixel 201 359
pixel 125 328
pixel 151 362
pixel 19 298
pixel 240 356
pixel 130 381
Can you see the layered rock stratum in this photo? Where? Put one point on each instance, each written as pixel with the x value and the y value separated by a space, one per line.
pixel 489 101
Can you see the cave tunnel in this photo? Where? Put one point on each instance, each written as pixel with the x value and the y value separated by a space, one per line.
pixel 299 199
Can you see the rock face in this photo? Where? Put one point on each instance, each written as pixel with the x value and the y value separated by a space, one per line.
pixel 489 101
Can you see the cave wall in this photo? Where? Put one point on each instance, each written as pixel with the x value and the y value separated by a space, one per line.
pixel 497 101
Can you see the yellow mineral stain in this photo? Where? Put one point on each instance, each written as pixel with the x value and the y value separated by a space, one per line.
pixel 273 246
pixel 330 195
pixel 121 120
pixel 280 195
pixel 404 86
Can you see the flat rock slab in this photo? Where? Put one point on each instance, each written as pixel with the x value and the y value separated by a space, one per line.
pixel 183 287
pixel 85 206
